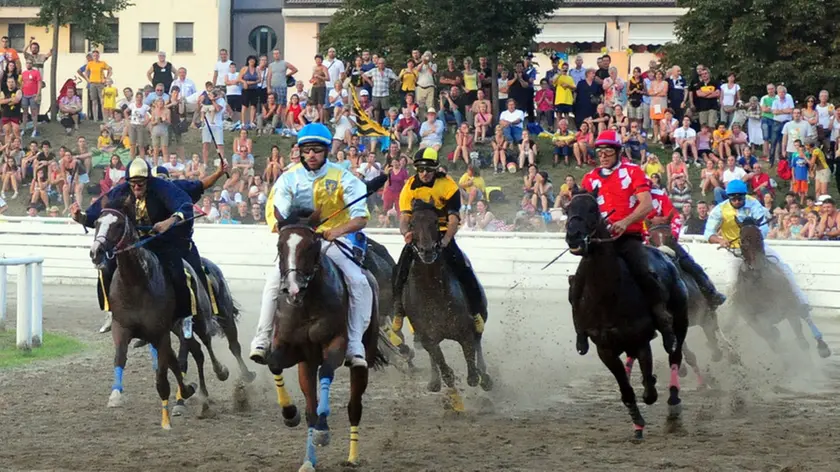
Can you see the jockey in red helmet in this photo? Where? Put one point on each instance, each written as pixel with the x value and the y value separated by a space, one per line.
pixel 624 199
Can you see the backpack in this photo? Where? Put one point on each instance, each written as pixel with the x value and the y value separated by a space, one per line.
pixel 783 170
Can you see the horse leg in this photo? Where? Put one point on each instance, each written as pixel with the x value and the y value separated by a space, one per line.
pixel 650 394
pixel 691 360
pixel 121 338
pixel 291 415
pixel 486 381
pixel 446 373
pixel 675 360
pixel 222 372
pixel 307 378
pixel 468 347
pixel 628 396
pixel 358 385
pixel 434 381
pixel 628 366
pixel 333 355
pixel 711 329
pixel 161 381
pixel 194 349
pixel 232 335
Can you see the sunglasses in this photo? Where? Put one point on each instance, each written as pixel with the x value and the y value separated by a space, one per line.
pixel 316 148
pixel 424 169
pixel 737 196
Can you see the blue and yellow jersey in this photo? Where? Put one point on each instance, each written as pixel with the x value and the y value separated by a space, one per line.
pixel 724 218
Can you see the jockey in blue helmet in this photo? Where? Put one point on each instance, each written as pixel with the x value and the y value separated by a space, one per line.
pixel 312 185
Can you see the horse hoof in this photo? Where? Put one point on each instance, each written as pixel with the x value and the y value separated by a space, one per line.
pixel 638 436
pixel 350 464
pixel 683 371
pixel 179 409
pixel 189 391
pixel 486 382
pixel 822 349
pixel 473 379
pixel 222 374
pixel 248 376
pixel 650 397
pixel 307 467
pixel 321 438
pixel 291 416
pixel 674 411
pixel 433 386
pixel 406 352
pixel 116 399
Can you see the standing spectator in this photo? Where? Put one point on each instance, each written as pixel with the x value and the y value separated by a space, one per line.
pixel 545 105
pixel 767 120
pixel 564 87
pixel 31 88
pixel 262 86
pixel 397 177
pixel 233 93
pixel 380 80
pixel 178 123
pixel 318 92
pixel 138 117
pixel 10 110
pixel 184 83
pixel 161 72
pixel 825 111
pixel 676 93
pixel 221 68
pixel 705 95
pixel 519 88
pixel 783 111
pixel 587 98
pixel 730 173
pixel 503 86
pixel 794 130
pixel 636 91
pixel 613 89
pixel 730 96
pixel 530 74
pixel 33 53
pixel 249 78
pixel 471 82
pixel 658 92
pixel 425 90
pixel 408 80
pixel 160 120
pixel 213 114
pixel 819 164
pixel 279 72
pixel 335 69
pixel 800 165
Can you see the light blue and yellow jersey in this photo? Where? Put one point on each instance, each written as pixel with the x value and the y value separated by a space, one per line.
pixel 725 217
pixel 328 189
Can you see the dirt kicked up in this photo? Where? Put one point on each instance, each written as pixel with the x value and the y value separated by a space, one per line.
pixel 551 409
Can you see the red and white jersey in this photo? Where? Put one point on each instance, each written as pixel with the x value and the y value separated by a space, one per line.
pixel 662 207
pixel 617 190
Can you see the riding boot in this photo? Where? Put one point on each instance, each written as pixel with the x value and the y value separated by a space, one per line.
pixel 463 270
pixel 691 267
pixel 400 277
pixel 635 255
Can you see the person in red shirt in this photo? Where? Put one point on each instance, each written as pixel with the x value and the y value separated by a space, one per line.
pixel 624 196
pixel 665 213
pixel 760 183
pixel 30 86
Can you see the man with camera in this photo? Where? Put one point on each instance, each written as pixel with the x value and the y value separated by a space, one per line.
pixel 213 113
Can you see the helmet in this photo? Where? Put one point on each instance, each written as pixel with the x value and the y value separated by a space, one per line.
pixel 608 139
pixel 160 172
pixel 736 187
pixel 314 133
pixel 138 169
pixel 426 158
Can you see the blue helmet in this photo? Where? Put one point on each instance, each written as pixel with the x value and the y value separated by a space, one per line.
pixel 314 133
pixel 736 187
pixel 160 172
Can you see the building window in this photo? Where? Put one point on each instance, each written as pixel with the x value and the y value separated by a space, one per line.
pixel 113 44
pixel 77 39
pixel 262 40
pixel 321 27
pixel 149 37
pixel 17 36
pixel 183 37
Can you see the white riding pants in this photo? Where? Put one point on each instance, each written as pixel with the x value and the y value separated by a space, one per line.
pixel 361 302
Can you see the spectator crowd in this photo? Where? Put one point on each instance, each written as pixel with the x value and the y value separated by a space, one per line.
pixel 381 111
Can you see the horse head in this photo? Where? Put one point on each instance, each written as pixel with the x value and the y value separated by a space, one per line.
pixel 752 242
pixel 584 221
pixel 661 235
pixel 425 231
pixel 298 252
pixel 114 230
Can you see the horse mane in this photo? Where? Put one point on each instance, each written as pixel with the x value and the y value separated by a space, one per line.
pixel 421 205
pixel 299 216
pixel 750 221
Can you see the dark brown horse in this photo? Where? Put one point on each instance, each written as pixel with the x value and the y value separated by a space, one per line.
pixel 700 312
pixel 610 308
pixel 310 331
pixel 436 305
pixel 142 300
pixel 765 293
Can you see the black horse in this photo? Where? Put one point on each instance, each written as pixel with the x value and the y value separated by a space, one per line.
pixel 609 307
pixel 436 305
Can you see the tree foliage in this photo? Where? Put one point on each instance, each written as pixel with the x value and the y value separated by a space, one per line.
pixel 93 17
pixel 763 41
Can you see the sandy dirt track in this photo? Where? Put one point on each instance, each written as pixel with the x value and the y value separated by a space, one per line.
pixel 551 410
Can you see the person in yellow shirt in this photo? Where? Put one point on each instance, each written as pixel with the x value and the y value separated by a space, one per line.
pixel 437 188
pixel 819 164
pixel 653 166
pixel 722 140
pixel 97 73
pixel 408 80
pixel 109 98
pixel 472 186
pixel 564 87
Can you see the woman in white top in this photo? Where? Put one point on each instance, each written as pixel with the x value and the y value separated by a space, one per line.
pixel 338 96
pixel 730 95
pixel 503 87
pixel 233 92
pixel 825 111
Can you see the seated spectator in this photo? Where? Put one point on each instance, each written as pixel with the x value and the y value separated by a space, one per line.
pixel 829 228
pixel 584 144
pixel 635 145
pixel 225 217
pixel 452 105
pixel 500 147
pixel 76 176
pixel 370 169
pixel 685 138
pixel 811 228
pixel 697 224
pixel 472 187
pixel 747 160
pixel 667 126
pixel 680 190
pixel 70 106
pixel 656 180
pixel 257 216
pixel 760 183
pixel 293 115
pixel 511 121
pixel 310 115
pixel 407 129
pixel 345 126
pixel 274 167
pixel 564 144
pixel 194 169
pixel 114 175
pixel 463 144
pixel 483 119
pixel 527 149
pixel 566 190
pixel 653 166
pixel 268 119
pixel 176 168
pixel 484 220
pixel 676 167
pixel 740 141
pixel 704 143
pixel 722 140
pixel 730 173
pixel 431 131
pixel 232 188
pixel 104 143
pixel 543 198
pixel 11 176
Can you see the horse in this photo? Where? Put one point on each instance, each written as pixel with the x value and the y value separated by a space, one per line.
pixel 310 331
pixel 435 304
pixel 610 308
pixel 700 313
pixel 764 294
pixel 142 301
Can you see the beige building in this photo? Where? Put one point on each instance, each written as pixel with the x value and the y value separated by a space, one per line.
pixel 190 32
pixel 583 27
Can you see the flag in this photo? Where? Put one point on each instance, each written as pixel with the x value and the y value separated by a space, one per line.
pixel 365 125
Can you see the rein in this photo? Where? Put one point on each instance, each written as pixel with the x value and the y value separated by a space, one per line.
pixel 118 246
pixel 141 242
pixel 589 238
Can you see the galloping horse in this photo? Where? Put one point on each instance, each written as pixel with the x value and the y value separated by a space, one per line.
pixel 700 312
pixel 765 296
pixel 610 308
pixel 435 303
pixel 142 300
pixel 310 331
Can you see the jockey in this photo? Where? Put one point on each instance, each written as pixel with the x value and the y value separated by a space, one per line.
pixel 318 184
pixel 160 205
pixel 625 200
pixel 443 192
pixel 665 213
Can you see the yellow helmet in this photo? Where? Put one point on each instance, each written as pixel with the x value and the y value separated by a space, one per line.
pixel 138 169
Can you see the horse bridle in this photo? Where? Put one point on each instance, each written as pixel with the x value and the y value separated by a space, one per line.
pixel 120 246
pixel 603 219
pixel 306 277
pixel 436 247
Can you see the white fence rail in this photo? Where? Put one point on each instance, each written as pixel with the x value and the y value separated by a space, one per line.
pixel 30 326
pixel 245 252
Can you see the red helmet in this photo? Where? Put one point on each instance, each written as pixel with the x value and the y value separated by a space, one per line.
pixel 608 138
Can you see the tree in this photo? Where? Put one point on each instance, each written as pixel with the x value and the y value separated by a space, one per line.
pixel 93 17
pixel 500 29
pixel 763 41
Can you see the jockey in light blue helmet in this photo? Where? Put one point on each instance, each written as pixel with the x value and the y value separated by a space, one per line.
pixel 736 187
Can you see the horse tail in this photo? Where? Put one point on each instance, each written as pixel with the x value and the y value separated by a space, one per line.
pixel 229 309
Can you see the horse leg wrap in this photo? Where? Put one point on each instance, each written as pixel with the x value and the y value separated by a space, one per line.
pixel 675 376
pixel 479 323
pixel 212 294
pixel 353 456
pixel 283 398
pixel 164 415
pixel 118 379
pixel 324 396
pixel 310 447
